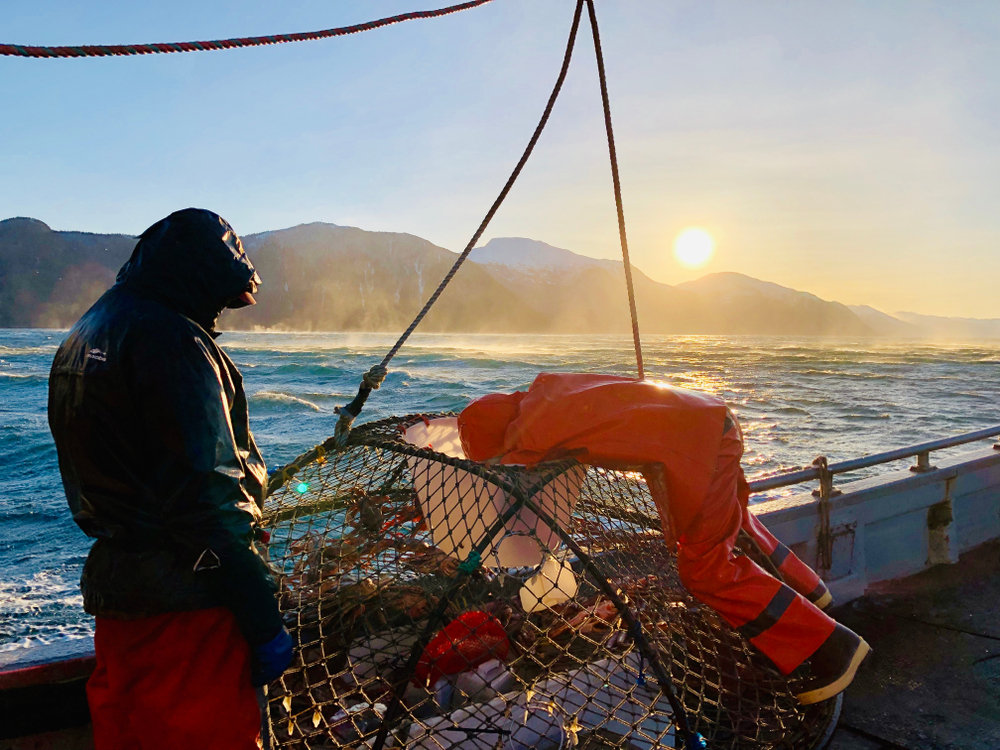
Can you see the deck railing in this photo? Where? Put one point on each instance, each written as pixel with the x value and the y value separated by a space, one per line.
pixel 921 451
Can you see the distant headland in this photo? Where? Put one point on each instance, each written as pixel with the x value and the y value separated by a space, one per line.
pixel 324 277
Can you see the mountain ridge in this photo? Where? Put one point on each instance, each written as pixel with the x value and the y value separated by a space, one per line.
pixel 324 276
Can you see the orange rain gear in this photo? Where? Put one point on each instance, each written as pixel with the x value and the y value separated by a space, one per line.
pixel 690 454
pixel 796 573
pixel 773 616
pixel 608 421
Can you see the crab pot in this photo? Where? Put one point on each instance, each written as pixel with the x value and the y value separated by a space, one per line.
pixel 438 603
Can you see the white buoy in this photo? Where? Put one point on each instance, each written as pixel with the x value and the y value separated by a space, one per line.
pixel 553 584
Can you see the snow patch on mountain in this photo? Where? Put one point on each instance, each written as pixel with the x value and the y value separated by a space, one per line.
pixel 528 255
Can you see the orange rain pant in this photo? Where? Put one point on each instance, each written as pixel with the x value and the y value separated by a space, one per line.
pixel 778 619
pixel 613 422
pixel 177 680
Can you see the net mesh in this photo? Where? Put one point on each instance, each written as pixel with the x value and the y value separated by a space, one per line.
pixel 437 603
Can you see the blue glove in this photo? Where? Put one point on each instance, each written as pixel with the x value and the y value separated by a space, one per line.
pixel 695 741
pixel 270 659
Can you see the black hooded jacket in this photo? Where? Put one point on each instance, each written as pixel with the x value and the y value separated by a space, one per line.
pixel 150 422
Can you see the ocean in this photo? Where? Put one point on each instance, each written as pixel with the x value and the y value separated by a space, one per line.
pixel 796 398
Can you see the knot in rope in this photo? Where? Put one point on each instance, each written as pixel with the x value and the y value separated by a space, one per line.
pixel 374 378
pixel 370 381
pixel 343 429
pixel 471 564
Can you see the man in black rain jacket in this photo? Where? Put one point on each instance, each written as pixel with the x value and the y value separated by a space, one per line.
pixel 150 422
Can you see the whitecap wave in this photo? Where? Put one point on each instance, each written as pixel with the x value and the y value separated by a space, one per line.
pixel 20 351
pixel 32 641
pixel 284 398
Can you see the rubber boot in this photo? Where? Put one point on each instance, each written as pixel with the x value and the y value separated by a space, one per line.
pixel 834 665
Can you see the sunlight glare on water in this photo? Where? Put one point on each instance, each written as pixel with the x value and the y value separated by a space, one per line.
pixel 796 398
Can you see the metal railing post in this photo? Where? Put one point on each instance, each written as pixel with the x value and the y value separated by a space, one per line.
pixel 824 540
pixel 923 463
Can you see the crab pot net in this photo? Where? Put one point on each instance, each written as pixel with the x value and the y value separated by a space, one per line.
pixel 437 603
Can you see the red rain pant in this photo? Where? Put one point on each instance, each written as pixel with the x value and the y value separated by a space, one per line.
pixel 177 680
pixel 778 619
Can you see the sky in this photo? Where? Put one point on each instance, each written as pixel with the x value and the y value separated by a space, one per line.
pixel 848 149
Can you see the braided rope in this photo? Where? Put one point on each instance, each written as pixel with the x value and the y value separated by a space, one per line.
pixel 350 412
pixel 117 50
pixel 618 187
pixel 503 193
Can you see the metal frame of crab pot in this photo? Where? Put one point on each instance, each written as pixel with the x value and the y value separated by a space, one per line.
pixel 814 725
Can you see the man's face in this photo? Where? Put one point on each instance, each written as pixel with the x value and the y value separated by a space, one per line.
pixel 245 299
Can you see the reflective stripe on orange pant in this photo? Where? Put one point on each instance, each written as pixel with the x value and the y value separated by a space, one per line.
pixel 796 573
pixel 781 623
pixel 177 680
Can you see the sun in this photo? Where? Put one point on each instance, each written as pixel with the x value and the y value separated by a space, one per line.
pixel 694 247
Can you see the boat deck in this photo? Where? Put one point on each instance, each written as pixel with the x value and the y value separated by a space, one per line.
pixel 932 681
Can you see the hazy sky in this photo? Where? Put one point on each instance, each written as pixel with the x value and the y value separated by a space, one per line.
pixel 849 149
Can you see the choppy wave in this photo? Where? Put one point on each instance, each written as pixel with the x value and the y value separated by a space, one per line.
pixel 21 351
pixel 796 397
pixel 284 398
pixel 42 609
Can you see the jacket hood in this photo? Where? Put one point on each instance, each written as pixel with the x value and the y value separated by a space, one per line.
pixel 192 262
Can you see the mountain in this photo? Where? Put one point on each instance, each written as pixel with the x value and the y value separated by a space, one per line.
pixel 317 277
pixel 534 257
pixel 577 294
pixel 327 277
pixel 332 278
pixel 586 294
pixel 885 325
pixel 746 305
pixel 48 279
pixel 933 326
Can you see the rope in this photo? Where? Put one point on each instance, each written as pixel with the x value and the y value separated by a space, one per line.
pixel 503 193
pixel 377 373
pixel 373 379
pixel 635 633
pixel 471 564
pixel 17 50
pixel 517 171
pixel 618 187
